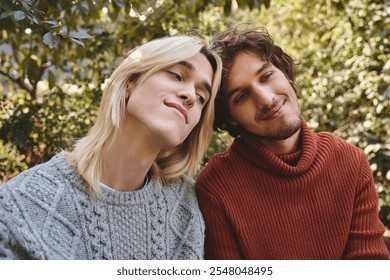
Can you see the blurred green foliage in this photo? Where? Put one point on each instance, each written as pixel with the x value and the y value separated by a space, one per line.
pixel 55 57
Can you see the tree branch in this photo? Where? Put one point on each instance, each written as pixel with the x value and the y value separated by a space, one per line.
pixel 19 82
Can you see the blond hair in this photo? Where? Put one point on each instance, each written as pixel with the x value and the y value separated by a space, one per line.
pixel 143 62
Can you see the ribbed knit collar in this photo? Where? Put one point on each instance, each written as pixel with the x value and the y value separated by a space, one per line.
pixel 287 165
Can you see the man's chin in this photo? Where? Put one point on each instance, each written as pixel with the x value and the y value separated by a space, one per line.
pixel 285 131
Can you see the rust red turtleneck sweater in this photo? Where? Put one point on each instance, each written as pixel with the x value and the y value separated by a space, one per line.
pixel 318 203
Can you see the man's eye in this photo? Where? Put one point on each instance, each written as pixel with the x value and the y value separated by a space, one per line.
pixel 176 76
pixel 240 97
pixel 265 77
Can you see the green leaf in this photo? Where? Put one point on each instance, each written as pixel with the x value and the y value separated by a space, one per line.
pixel 80 35
pixel 77 41
pixel 27 4
pixel 51 40
pixel 52 22
pixel 33 19
pixel 19 15
pixel 6 14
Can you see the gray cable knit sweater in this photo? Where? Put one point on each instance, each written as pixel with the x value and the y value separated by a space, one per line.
pixel 47 212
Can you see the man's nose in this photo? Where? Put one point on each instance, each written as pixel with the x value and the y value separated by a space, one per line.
pixel 264 97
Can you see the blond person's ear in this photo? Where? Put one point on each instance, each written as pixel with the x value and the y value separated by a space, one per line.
pixel 129 88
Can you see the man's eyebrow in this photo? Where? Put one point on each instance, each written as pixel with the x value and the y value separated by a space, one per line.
pixel 191 67
pixel 261 69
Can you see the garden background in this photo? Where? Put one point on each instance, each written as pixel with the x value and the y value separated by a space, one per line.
pixel 56 55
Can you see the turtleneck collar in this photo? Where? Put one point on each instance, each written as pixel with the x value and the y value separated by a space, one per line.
pixel 293 164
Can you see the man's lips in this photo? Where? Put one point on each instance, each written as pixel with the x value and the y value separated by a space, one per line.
pixel 179 108
pixel 273 111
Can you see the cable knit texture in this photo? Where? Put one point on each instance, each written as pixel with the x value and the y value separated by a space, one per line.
pixel 317 203
pixel 47 212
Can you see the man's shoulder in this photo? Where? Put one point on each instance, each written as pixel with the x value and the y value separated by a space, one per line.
pixel 230 154
pixel 340 144
pixel 340 149
pixel 219 160
pixel 217 168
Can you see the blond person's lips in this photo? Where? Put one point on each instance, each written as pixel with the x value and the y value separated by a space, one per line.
pixel 179 108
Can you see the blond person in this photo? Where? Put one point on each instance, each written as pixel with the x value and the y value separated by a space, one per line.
pixel 125 190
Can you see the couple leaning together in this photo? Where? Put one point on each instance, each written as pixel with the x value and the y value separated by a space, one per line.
pixel 126 190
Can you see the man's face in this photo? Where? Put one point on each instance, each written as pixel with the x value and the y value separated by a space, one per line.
pixel 261 99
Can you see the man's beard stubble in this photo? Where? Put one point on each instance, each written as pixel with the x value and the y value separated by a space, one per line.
pixel 286 129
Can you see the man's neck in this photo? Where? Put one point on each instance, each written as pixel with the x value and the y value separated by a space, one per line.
pixel 286 146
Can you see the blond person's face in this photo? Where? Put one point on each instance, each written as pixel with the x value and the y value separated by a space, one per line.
pixel 169 103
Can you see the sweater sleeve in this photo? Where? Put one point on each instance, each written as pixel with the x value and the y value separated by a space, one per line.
pixel 220 242
pixel 11 247
pixel 6 250
pixel 365 240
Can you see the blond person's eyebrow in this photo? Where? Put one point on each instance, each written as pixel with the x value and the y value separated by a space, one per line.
pixel 233 91
pixel 189 66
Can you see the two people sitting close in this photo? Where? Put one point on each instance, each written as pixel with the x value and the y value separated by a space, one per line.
pixel 126 190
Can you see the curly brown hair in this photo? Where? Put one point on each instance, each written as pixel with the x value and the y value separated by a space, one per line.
pixel 228 44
